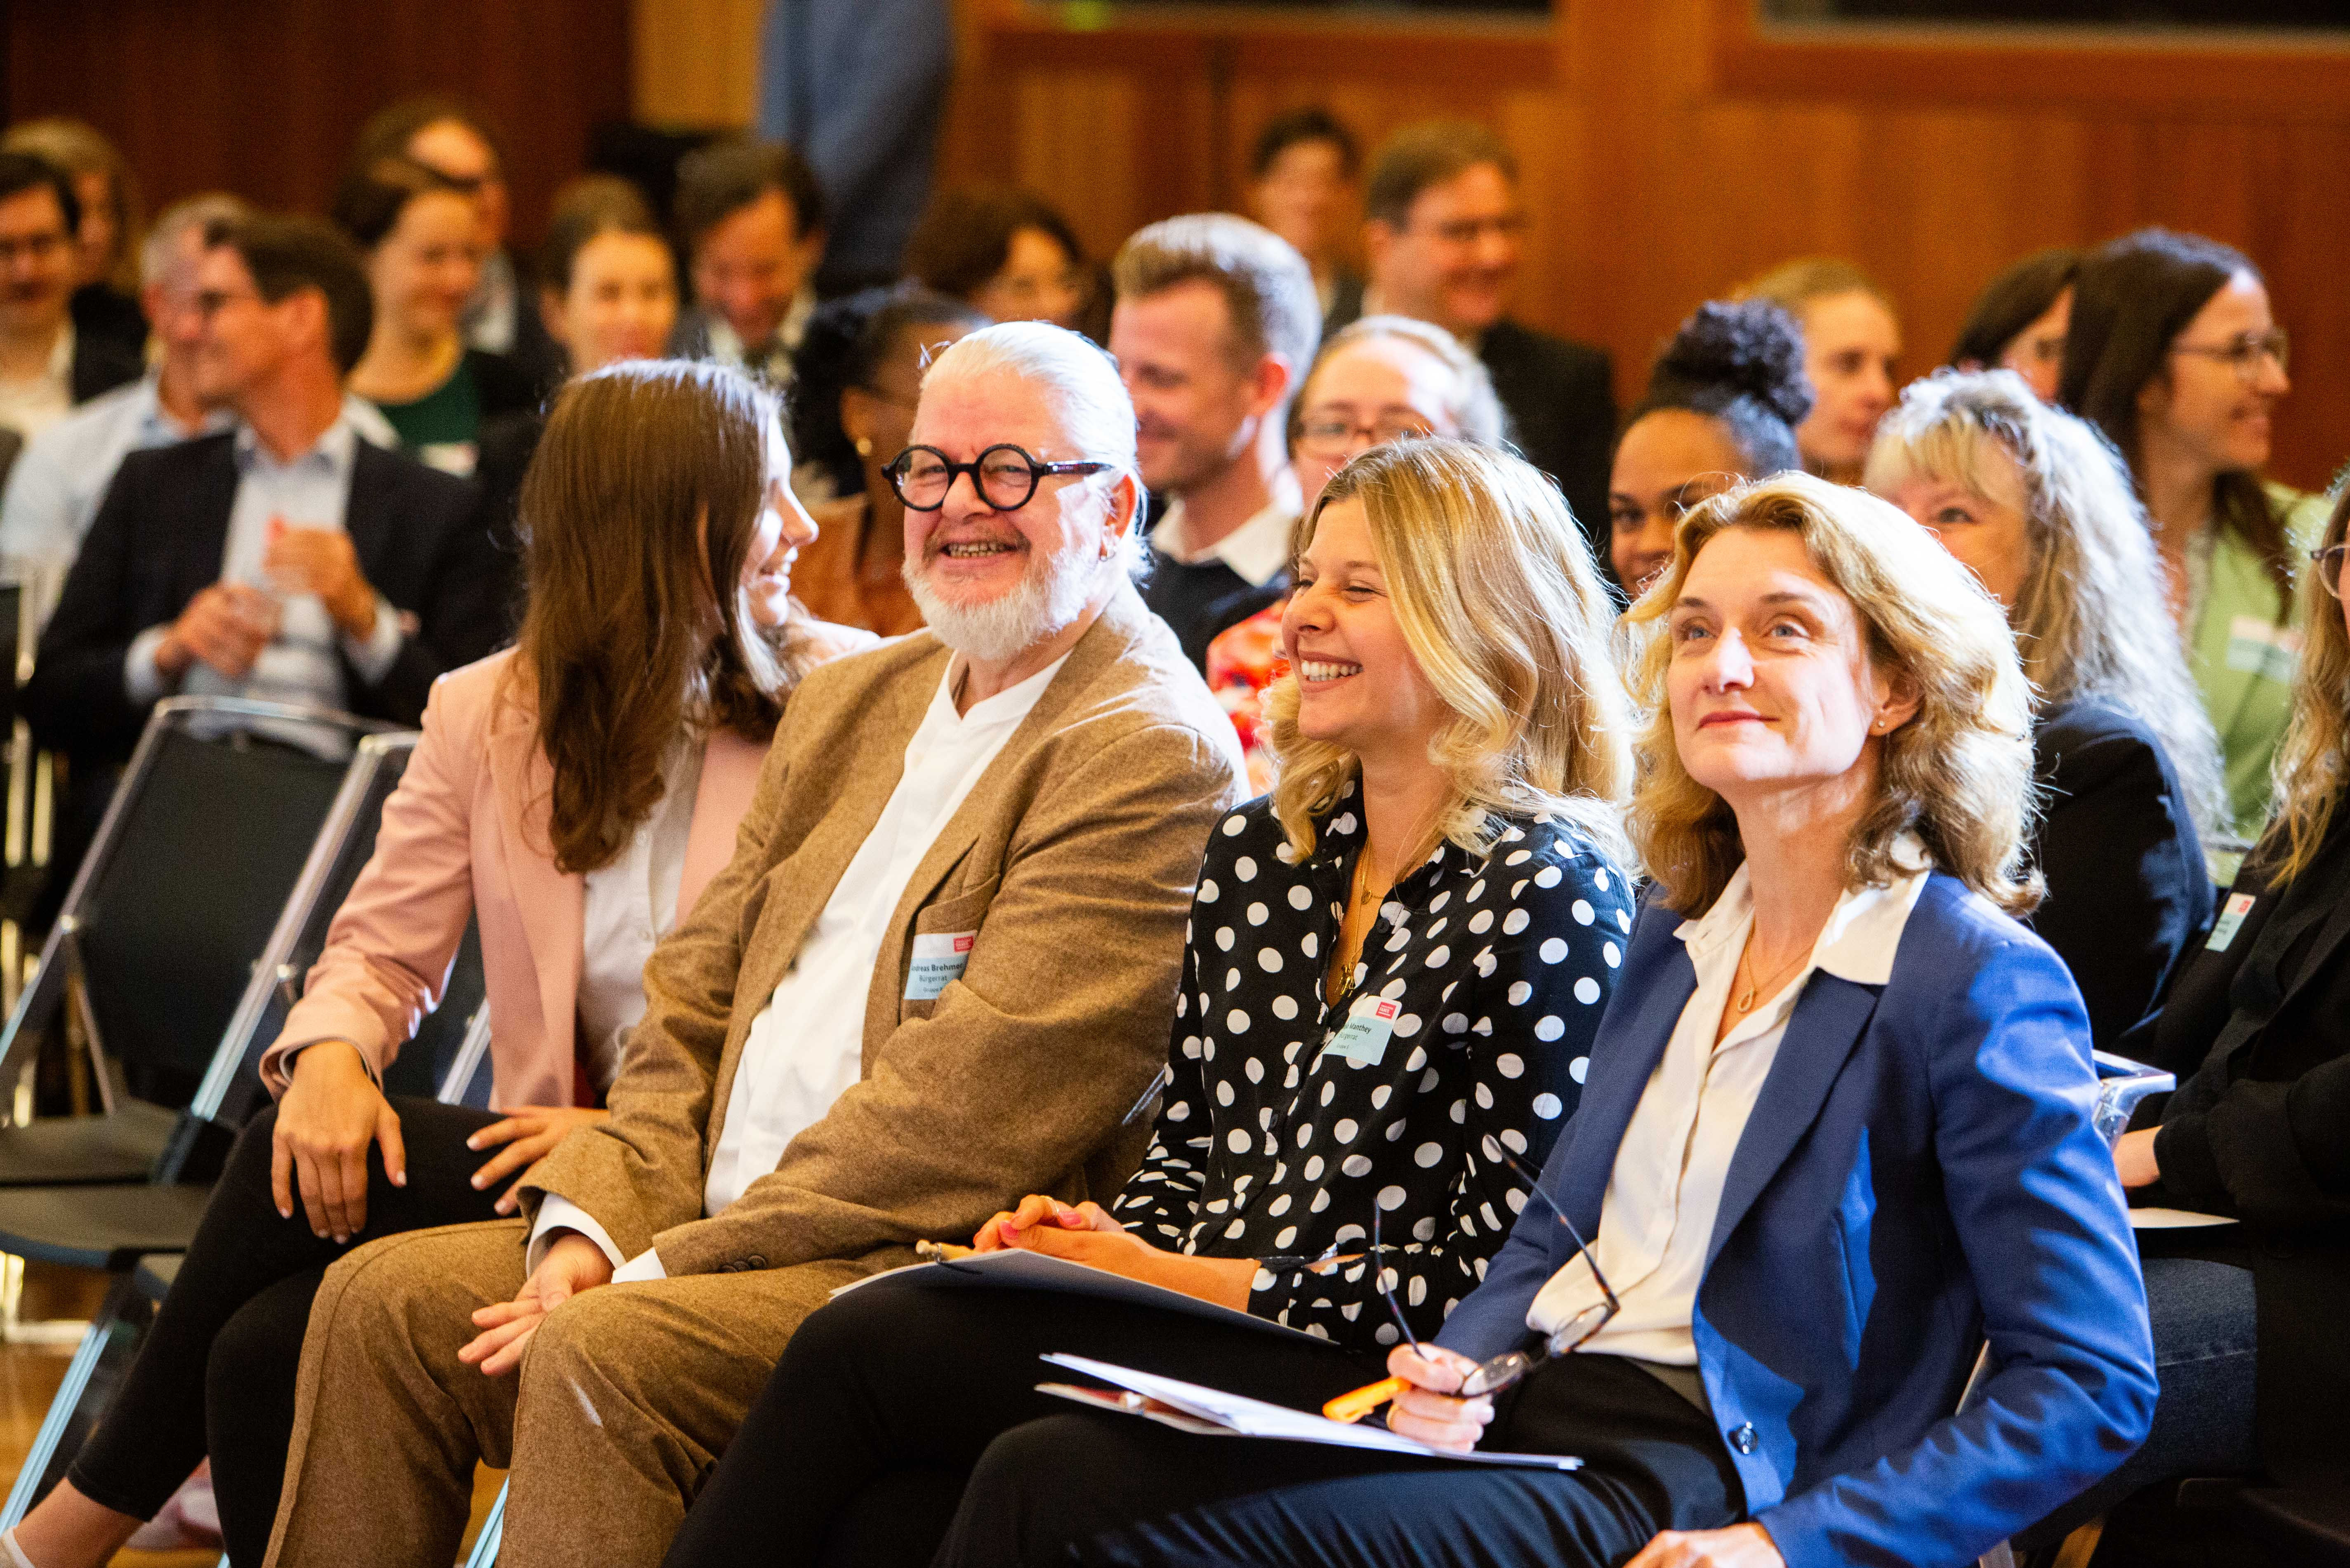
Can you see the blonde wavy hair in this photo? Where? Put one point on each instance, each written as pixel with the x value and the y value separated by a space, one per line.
pixel 1958 774
pixel 1497 599
pixel 2312 766
pixel 2092 619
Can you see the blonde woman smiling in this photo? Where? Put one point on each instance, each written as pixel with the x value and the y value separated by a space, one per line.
pixel 1396 962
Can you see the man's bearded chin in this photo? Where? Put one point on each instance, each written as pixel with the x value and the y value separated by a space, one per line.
pixel 1052 593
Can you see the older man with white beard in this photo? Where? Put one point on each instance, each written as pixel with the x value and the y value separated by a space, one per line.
pixel 939 971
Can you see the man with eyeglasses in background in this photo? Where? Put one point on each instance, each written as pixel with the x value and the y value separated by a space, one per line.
pixel 932 980
pixel 46 368
pixel 1213 331
pixel 1444 235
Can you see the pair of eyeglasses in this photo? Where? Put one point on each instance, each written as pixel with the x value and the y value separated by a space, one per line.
pixel 1004 476
pixel 1496 1373
pixel 1330 435
pixel 2328 561
pixel 2245 354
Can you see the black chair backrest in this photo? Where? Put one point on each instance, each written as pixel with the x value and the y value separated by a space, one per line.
pixel 209 840
pixel 12 623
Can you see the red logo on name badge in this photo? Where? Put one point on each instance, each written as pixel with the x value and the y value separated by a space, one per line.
pixel 1388 1009
pixel 962 944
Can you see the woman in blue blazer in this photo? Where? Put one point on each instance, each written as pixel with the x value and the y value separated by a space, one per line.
pixel 1835 1134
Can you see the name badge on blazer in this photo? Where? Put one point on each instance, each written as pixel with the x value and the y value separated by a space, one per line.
pixel 939 961
pixel 2231 919
pixel 1369 1028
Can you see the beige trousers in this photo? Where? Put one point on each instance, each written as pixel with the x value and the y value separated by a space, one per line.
pixel 624 1400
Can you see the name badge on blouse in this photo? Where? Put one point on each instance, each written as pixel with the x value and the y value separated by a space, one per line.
pixel 1364 1036
pixel 2257 647
pixel 939 961
pixel 2231 919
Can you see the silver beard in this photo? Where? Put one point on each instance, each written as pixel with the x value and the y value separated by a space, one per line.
pixel 1051 594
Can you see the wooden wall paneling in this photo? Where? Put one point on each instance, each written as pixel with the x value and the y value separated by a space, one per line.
pixel 696 62
pixel 263 97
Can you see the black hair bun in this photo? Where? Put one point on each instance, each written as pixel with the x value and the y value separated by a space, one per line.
pixel 1751 347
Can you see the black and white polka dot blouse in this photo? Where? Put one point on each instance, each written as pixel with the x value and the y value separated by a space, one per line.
pixel 1267 1143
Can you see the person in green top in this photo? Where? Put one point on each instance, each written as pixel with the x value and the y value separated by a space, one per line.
pixel 421 233
pixel 2175 354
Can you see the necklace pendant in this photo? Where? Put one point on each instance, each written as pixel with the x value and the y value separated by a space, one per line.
pixel 1746 1002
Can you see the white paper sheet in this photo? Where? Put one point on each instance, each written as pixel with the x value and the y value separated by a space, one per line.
pixel 1241 1416
pixel 2153 1219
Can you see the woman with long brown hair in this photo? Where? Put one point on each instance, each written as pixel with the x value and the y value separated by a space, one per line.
pixel 573 795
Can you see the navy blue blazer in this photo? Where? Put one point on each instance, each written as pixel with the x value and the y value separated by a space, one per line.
pixel 1919 1172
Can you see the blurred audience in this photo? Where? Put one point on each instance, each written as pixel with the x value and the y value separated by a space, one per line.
pixel 752 218
pixel 1004 253
pixel 1851 343
pixel 54 490
pixel 421 239
pixel 1215 327
pixel 47 365
pixel 608 292
pixel 106 282
pixel 1722 404
pixel 2175 354
pixel 1378 381
pixel 575 828
pixel 2034 503
pixel 858 87
pixel 1304 184
pixel 1444 235
pixel 860 380
pixel 456 142
pixel 2019 321
pixel 289 560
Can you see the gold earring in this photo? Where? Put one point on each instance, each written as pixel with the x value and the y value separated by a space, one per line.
pixel 865 446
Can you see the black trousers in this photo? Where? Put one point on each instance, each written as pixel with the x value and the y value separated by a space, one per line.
pixel 217 1371
pixel 858 1451
pixel 1111 1490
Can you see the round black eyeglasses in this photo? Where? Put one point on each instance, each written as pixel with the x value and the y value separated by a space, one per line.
pixel 1005 476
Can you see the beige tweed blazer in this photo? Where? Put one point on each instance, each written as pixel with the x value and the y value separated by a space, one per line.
pixel 1073 859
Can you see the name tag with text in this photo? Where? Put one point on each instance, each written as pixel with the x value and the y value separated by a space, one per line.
pixel 939 960
pixel 1364 1036
pixel 2231 919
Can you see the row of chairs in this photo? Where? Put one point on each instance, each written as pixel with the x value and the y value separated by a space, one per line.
pixel 235 832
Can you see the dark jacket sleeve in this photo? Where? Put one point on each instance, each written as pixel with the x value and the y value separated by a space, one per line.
pixel 458 597
pixel 77 701
pixel 2128 888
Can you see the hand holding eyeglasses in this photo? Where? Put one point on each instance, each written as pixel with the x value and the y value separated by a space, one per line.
pixel 1428 1405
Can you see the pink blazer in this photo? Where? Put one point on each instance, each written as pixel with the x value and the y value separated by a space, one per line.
pixel 464 833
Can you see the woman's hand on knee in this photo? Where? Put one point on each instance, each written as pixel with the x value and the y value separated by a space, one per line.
pixel 1429 1409
pixel 1740 1546
pixel 331 1112
pixel 530 1134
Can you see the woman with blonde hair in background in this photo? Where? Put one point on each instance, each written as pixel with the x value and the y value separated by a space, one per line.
pixel 2247 1317
pixel 2035 504
pixel 1396 965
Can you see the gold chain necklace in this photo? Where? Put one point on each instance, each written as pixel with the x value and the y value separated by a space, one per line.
pixel 1744 1002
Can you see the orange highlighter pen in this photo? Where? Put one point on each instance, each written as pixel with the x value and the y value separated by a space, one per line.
pixel 1352 1408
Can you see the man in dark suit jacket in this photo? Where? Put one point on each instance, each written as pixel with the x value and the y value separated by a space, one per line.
pixel 48 363
pixel 1444 235
pixel 288 559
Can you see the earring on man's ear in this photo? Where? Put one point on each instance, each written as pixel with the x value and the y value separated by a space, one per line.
pixel 865 446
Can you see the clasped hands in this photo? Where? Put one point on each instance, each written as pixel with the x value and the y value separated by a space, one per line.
pixel 227 625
